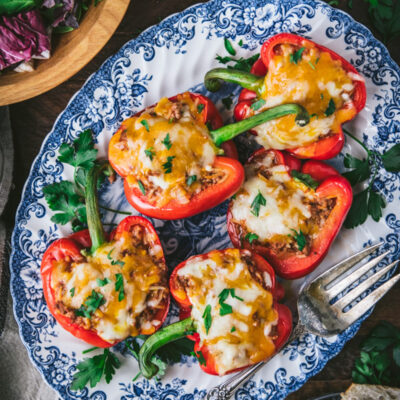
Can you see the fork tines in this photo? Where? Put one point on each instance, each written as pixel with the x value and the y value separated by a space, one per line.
pixel 345 274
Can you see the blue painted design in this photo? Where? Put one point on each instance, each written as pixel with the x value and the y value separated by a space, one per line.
pixel 119 89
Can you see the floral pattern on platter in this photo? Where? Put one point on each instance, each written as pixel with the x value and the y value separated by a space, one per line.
pixel 132 79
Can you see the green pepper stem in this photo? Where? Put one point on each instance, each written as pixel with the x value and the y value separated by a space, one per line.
pixel 95 226
pixel 160 338
pixel 212 80
pixel 228 132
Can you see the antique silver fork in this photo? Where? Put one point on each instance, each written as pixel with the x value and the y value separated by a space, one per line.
pixel 318 315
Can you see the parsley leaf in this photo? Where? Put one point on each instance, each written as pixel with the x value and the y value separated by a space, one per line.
pixel 240 43
pixel 257 104
pixel 200 108
pixel 172 353
pixel 80 153
pixel 258 201
pixel 91 370
pixel 191 179
pixel 379 361
pixel 299 238
pixel 141 187
pixel 199 355
pixel 167 142
pixel 385 17
pixel 361 170
pixel 227 102
pixel 359 210
pixel 102 282
pixel 119 286
pixel 391 159
pixel 150 153
pixel 61 196
pixel 72 292
pixel 226 308
pixel 375 205
pixel 233 329
pixel 250 237
pixel 207 318
pixel 91 304
pixel 304 178
pixel 168 165
pixel 229 48
pixel 311 65
pixel 145 124
pixel 242 64
pixel 296 56
pixel 331 108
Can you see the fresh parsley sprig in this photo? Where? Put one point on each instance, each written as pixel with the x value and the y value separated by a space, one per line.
pixel 379 361
pixel 306 179
pixel 258 201
pixel 91 370
pixel 368 201
pixel 299 238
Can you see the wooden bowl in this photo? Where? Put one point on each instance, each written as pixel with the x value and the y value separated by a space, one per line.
pixel 69 54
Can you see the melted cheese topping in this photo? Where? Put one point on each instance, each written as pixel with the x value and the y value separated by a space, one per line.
pixel 287 203
pixel 252 315
pixel 313 82
pixel 143 151
pixel 144 285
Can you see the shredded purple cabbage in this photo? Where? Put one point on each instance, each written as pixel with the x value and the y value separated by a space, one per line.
pixel 64 12
pixel 23 37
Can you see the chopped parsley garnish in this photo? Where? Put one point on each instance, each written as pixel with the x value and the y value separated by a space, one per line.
pixel 314 115
pixel 240 43
pixel 227 102
pixel 207 318
pixel 250 237
pixel 141 187
pixel 114 262
pixel 167 142
pixel 229 48
pixel 145 124
pixel 243 64
pixel 150 153
pixel 296 56
pixel 91 304
pixel 191 179
pixel 233 329
pixel 299 238
pixel 92 369
pixel 119 286
pixel 168 165
pixel 322 96
pixel 199 356
pixel 200 108
pixel 102 282
pixel 257 104
pixel 311 65
pixel 317 60
pixel 304 178
pixel 226 308
pixel 331 108
pixel 72 292
pixel 258 201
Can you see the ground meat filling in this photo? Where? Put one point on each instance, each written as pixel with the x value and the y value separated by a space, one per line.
pixel 167 152
pixel 139 261
pixel 284 245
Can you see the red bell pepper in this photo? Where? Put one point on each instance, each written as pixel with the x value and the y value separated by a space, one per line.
pixel 188 326
pixel 76 247
pixel 213 194
pixel 291 264
pixel 253 82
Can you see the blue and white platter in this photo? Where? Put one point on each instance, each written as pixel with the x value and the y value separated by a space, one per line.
pixel 164 60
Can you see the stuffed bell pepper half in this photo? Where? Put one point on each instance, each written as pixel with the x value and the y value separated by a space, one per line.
pixel 103 291
pixel 290 217
pixel 170 160
pixel 292 69
pixel 229 307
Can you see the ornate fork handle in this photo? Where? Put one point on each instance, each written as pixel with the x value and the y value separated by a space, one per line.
pixel 225 390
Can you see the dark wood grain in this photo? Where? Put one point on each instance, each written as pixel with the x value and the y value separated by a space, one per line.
pixel 32 120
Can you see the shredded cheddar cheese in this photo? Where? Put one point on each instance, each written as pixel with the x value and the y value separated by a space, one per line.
pixel 143 285
pixel 166 151
pixel 315 81
pixel 252 316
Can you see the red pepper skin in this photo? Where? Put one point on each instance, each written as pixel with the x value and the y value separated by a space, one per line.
pixel 71 247
pixel 331 185
pixel 325 148
pixel 204 200
pixel 284 326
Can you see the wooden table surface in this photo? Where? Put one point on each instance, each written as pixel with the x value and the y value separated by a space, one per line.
pixel 31 121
